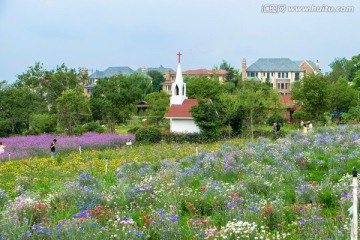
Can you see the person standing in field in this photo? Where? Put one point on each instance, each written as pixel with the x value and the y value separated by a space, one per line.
pixel 301 123
pixel 274 127
pixel 2 148
pixel 310 126
pixel 52 148
pixel 305 128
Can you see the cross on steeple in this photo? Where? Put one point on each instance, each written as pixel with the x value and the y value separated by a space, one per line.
pixel 179 54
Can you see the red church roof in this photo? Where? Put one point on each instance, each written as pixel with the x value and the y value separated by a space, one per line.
pixel 183 110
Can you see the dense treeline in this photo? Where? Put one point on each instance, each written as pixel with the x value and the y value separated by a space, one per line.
pixel 42 101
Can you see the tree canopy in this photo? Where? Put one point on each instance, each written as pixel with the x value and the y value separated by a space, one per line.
pixel 159 103
pixel 202 88
pixel 157 78
pixel 313 93
pixel 113 99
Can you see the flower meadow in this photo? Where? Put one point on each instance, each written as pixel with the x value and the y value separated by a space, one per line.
pixel 35 146
pixel 296 187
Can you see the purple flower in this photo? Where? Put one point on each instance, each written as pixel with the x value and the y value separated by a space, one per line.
pixel 175 218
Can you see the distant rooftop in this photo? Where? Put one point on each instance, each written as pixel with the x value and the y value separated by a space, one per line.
pixel 274 65
pixel 205 72
pixel 112 71
pixel 312 64
pixel 161 69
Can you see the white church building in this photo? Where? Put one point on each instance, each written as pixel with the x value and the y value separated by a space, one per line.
pixel 181 120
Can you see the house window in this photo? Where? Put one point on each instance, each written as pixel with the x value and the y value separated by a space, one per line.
pixel 278 85
pixel 268 75
pixel 297 76
pixel 253 74
pixel 88 90
pixel 279 74
pixel 287 75
pixel 282 85
pixel 169 88
pixel 272 74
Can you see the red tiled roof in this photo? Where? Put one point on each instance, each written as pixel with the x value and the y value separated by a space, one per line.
pixel 183 110
pixel 205 72
pixel 287 101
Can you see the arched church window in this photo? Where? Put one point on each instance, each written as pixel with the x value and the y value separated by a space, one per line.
pixel 176 90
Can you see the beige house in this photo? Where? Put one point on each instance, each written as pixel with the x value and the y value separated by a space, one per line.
pixel 279 72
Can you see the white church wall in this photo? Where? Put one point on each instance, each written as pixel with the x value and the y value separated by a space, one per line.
pixel 183 126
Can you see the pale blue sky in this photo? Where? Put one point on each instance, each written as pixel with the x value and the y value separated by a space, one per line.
pixel 105 33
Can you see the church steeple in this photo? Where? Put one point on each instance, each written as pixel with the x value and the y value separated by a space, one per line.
pixel 178 88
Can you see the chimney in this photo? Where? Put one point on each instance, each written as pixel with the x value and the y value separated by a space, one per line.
pixel 317 69
pixel 243 68
pixel 167 75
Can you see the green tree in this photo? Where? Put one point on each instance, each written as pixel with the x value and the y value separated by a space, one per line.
pixel 113 100
pixel 42 123
pixel 356 81
pixel 49 84
pixel 141 82
pixel 58 81
pixel 229 87
pixel 33 78
pixel 231 112
pixel 254 97
pixel 16 105
pixel 2 83
pixel 157 78
pixel 343 96
pixel 353 114
pixel 202 88
pixel 353 66
pixel 188 78
pixel 207 118
pixel 313 93
pixel 339 68
pixel 159 103
pixel 73 108
pixel 232 73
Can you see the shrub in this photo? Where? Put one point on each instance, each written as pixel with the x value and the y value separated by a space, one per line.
pixel 148 135
pixel 275 118
pixel 79 130
pixel 94 127
pixel 133 130
pixel 42 123
pixel 183 137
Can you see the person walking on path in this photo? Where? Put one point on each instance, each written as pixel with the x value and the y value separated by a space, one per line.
pixel 52 148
